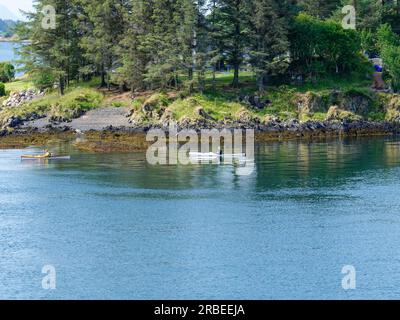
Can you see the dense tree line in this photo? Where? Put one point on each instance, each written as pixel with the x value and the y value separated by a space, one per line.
pixel 151 44
pixel 6 27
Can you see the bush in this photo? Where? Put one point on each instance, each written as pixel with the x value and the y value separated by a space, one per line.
pixel 335 113
pixel 389 45
pixel 368 42
pixel 2 89
pixel 120 104
pixel 44 80
pixel 7 72
pixel 156 101
pixel 323 47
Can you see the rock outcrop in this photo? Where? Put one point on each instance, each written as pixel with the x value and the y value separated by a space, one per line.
pixel 244 116
pixel 336 113
pixel 308 103
pixel 18 98
pixel 356 103
pixel 392 108
pixel 254 101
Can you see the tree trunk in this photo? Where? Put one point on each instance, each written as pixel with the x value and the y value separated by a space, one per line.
pixel 237 47
pixel 62 85
pixel 201 81
pixel 235 82
pixel 176 81
pixel 103 77
pixel 214 80
pixel 260 81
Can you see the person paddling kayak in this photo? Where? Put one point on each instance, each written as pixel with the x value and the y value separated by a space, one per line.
pixel 47 154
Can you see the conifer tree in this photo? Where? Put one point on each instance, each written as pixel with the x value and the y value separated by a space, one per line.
pixel 104 32
pixel 320 8
pixel 133 49
pixel 233 18
pixel 162 46
pixel 51 49
pixel 269 42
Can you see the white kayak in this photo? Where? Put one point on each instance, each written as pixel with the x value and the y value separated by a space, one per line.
pixel 216 155
pixel 203 155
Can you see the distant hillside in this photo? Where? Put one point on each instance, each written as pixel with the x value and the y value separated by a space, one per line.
pixel 6 28
pixel 6 14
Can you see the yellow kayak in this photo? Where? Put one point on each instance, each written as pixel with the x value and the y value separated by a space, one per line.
pixel 45 157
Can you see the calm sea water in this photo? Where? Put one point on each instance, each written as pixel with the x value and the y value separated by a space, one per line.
pixel 7 51
pixel 116 228
pixel 8 54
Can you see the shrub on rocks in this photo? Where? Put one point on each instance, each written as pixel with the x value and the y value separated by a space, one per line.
pixel 44 80
pixel 202 113
pixel 335 113
pixel 138 118
pixel 74 105
pixel 270 119
pixel 389 105
pixel 254 101
pixel 244 116
pixel 155 101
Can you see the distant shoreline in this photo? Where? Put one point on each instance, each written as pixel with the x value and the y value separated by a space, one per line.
pixel 13 40
pixel 8 40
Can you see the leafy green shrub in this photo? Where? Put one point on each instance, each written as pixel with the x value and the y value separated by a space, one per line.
pixel 7 72
pixel 322 47
pixel 368 42
pixel 72 106
pixel 389 45
pixel 156 101
pixel 365 92
pixel 120 104
pixel 376 116
pixel 43 80
pixel 2 89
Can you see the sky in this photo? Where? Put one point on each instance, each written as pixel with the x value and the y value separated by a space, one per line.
pixel 14 5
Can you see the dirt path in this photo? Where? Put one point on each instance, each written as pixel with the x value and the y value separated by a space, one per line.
pixel 97 119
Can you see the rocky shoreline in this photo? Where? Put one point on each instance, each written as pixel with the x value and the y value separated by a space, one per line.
pixel 274 127
pixel 118 128
pixel 133 138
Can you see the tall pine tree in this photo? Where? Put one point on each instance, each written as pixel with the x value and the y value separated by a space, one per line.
pixel 133 48
pixel 51 49
pixel 269 42
pixel 320 8
pixel 104 32
pixel 233 23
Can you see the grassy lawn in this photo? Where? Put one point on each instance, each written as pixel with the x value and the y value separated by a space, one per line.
pixel 334 83
pixel 20 84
